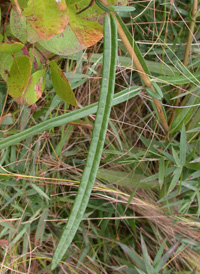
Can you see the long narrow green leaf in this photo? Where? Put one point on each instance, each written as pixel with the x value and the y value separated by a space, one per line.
pixel 97 142
pixel 183 146
pixel 118 98
pixel 145 255
pixel 177 174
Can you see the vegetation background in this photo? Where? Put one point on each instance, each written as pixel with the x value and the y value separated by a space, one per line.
pixel 143 214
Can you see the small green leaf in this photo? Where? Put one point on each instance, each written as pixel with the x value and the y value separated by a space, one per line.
pixel 34 89
pixel 61 84
pixel 19 76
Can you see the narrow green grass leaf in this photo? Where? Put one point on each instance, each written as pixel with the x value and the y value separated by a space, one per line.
pixel 157 89
pixel 180 79
pixel 118 98
pixel 20 234
pixel 161 173
pixel 176 159
pixel 123 8
pixel 166 257
pixel 194 175
pixel 133 255
pixel 146 258
pixel 159 253
pixel 125 179
pixel 154 66
pixel 97 142
pixel 177 174
pixel 41 226
pixel 183 146
pixel 40 191
pixel 153 94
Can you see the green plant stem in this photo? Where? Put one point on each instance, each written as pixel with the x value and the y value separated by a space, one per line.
pixel 140 69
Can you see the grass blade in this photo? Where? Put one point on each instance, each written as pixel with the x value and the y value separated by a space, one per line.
pixel 149 267
pixel 118 98
pixel 97 142
pixel 183 146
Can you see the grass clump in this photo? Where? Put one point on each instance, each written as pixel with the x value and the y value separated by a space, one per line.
pixel 143 213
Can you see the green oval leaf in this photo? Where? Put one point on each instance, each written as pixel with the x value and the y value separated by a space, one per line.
pixel 61 84
pixel 19 76
pixel 34 89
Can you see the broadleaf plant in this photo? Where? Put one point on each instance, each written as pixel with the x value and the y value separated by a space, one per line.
pixel 38 29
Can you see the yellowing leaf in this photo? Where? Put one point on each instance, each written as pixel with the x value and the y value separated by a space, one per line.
pixel 61 84
pixel 65 43
pixel 34 89
pixel 45 17
pixel 87 32
pixel 83 30
pixel 61 4
pixel 19 76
